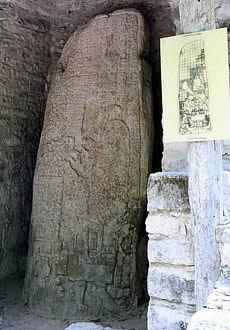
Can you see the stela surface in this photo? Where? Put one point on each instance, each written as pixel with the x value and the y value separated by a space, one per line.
pixel 91 174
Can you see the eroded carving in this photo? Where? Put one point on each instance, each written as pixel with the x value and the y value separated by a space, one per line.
pixel 91 174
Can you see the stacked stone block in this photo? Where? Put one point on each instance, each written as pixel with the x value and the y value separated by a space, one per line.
pixel 170 253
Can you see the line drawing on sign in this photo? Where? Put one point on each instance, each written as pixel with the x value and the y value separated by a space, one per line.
pixel 194 113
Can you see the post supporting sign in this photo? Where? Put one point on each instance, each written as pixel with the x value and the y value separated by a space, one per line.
pixel 197 110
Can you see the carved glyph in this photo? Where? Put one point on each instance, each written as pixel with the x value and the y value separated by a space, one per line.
pixel 91 174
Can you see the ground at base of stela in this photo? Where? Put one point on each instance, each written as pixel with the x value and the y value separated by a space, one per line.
pixel 14 315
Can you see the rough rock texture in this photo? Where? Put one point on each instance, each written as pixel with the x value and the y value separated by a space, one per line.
pixel 33 34
pixel 171 277
pixel 225 219
pixel 91 174
pixel 24 64
pixel 163 17
pixel 88 326
pixel 223 13
pixel 197 16
pixel 206 201
pixel 40 29
pixel 223 230
pixel 208 319
pixel 175 157
pixel 216 316
pixel 223 237
pixel 170 253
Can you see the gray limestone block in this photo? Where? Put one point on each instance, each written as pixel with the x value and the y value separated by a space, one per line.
pixel 169 224
pixel 172 283
pixel 168 191
pixel 169 317
pixel 171 251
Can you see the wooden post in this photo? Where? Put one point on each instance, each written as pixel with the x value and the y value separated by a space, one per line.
pixel 205 174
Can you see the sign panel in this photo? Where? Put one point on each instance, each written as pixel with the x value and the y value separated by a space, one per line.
pixel 195 86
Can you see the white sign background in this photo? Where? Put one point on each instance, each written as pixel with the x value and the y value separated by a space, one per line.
pixel 216 58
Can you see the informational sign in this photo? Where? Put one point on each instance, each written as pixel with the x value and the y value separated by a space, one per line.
pixel 195 86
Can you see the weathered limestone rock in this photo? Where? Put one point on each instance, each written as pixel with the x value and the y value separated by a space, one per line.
pixel 27 27
pixel 175 157
pixel 160 250
pixel 216 316
pixel 223 13
pixel 91 174
pixel 169 192
pixel 223 231
pixel 33 34
pixel 88 326
pixel 167 316
pixel 223 239
pixel 24 64
pixel 226 199
pixel 207 319
pixel 170 252
pixel 171 283
pixel 206 200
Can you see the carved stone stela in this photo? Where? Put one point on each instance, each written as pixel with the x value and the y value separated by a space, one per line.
pixel 91 174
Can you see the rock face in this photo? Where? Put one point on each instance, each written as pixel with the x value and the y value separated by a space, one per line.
pixel 24 64
pixel 87 326
pixel 91 174
pixel 33 34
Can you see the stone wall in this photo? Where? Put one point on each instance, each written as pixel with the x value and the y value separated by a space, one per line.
pixel 170 253
pixel 24 63
pixel 171 258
